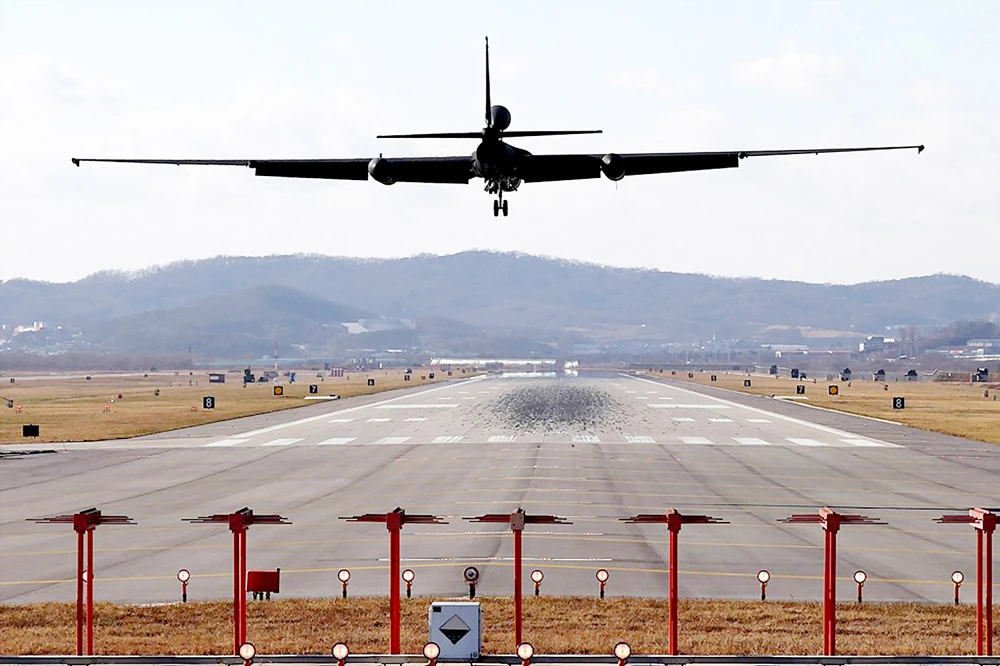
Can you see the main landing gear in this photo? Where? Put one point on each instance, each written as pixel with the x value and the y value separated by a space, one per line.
pixel 499 205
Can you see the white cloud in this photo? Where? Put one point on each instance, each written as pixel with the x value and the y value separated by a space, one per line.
pixel 929 92
pixel 646 80
pixel 792 72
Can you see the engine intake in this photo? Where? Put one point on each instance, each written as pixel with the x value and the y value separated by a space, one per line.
pixel 381 170
pixel 613 166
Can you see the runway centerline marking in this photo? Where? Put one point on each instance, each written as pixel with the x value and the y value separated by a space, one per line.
pixel 415 419
pixel 696 440
pixel 340 420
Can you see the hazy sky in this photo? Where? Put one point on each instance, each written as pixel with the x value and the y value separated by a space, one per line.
pixel 185 79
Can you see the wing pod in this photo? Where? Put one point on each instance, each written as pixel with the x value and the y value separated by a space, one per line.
pixel 613 166
pixel 381 170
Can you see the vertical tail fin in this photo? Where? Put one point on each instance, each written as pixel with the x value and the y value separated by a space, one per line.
pixel 489 118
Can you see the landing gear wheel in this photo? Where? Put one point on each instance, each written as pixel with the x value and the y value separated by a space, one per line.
pixel 504 209
pixel 496 209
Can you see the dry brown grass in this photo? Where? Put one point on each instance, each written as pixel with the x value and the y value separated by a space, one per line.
pixel 952 409
pixel 73 409
pixel 553 625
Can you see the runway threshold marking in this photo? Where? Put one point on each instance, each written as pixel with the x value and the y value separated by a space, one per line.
pixel 696 440
pixel 447 439
pixel 283 442
pixel 320 417
pixel 725 404
pixel 751 441
pixel 336 441
pixel 225 442
pixel 805 442
pixel 393 440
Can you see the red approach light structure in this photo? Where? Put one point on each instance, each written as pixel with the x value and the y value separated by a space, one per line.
pixel 673 520
pixel 985 523
pixel 394 521
pixel 83 523
pixel 517 521
pixel 830 521
pixel 239 523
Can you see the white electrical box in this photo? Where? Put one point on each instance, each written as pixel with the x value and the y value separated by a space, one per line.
pixel 457 628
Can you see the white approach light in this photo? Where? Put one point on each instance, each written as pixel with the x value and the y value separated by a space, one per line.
pixel 860 577
pixel 525 651
pixel 603 575
pixel 957 577
pixel 248 652
pixel 344 575
pixel 340 651
pixel 408 575
pixel 623 651
pixel 537 576
pixel 432 651
pixel 183 575
pixel 763 576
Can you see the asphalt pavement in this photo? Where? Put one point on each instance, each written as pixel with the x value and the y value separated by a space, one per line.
pixel 592 450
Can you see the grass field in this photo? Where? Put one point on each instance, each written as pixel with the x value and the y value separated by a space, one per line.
pixel 553 625
pixel 953 409
pixel 72 409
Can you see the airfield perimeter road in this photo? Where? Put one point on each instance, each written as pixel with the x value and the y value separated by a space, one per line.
pixel 592 449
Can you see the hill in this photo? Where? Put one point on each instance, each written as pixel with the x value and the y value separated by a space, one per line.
pixel 457 298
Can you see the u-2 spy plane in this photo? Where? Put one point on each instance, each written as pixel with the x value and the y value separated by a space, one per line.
pixel 502 166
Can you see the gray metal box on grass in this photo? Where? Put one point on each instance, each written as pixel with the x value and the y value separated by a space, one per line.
pixel 456 626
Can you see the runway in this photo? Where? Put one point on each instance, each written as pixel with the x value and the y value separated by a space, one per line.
pixel 591 449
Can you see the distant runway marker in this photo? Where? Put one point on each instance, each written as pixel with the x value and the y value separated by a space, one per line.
pixel 392 440
pixel 282 442
pixel 336 441
pixel 225 442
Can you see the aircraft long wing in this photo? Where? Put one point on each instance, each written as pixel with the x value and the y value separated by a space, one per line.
pixel 407 170
pixel 546 168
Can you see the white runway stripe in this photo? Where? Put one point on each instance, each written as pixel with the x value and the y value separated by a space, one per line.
pixel 681 406
pixel 758 420
pixel 282 442
pixel 392 440
pixel 225 442
pixel 751 441
pixel 340 420
pixel 415 419
pixel 586 439
pixel 432 405
pixel 696 440
pixel 868 442
pixel 447 439
pixel 639 439
pixel 336 441
pixel 379 420
pixel 721 420
pixel 682 419
pixel 496 439
pixel 805 442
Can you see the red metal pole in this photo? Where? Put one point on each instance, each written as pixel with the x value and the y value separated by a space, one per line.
pixel 79 593
pixel 243 587
pixel 517 587
pixel 826 592
pixel 833 593
pixel 90 591
pixel 673 591
pixel 236 592
pixel 980 574
pixel 394 610
pixel 988 584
